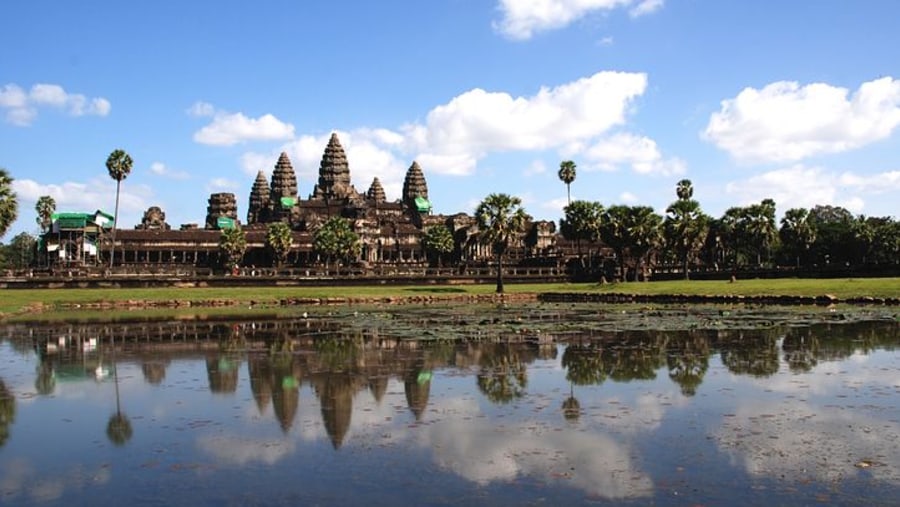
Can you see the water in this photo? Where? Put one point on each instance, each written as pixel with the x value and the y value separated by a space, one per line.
pixel 326 411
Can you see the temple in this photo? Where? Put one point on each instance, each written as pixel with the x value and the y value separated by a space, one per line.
pixel 390 232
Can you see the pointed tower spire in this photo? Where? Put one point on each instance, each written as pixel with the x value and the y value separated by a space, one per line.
pixel 334 173
pixel 376 192
pixel 259 199
pixel 283 193
pixel 414 187
pixel 284 181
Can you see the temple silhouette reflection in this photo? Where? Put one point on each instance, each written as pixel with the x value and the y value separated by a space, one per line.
pixel 284 358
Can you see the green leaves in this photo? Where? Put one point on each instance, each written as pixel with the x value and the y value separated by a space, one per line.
pixel 335 239
pixel 279 241
pixel 119 165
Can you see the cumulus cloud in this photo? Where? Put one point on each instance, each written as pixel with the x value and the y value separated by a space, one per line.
pixel 785 121
pixel 455 135
pixel 646 7
pixel 160 169
pixel 639 153
pixel 221 185
pixel 800 186
pixel 521 19
pixel 201 109
pixel 21 107
pixel 228 129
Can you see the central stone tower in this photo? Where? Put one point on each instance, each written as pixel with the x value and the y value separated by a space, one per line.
pixel 334 174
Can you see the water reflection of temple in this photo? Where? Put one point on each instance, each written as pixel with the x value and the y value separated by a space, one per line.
pixel 336 364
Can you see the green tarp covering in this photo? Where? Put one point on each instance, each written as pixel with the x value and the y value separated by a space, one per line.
pixel 225 223
pixel 288 202
pixel 422 204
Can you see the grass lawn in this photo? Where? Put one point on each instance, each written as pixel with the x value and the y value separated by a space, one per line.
pixel 15 300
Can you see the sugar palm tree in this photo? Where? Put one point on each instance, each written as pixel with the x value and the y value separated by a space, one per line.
pixel 686 226
pixel 232 244
pixel 501 219
pixel 119 166
pixel 279 240
pixel 798 232
pixel 438 241
pixel 9 204
pixel 567 176
pixel 45 208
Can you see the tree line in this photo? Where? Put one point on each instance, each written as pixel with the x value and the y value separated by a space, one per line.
pixel 628 241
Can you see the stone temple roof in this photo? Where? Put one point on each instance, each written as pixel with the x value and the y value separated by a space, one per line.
pixel 334 173
pixel 376 192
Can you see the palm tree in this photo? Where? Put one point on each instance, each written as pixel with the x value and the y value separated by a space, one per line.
pixel 232 244
pixel 645 235
pixel 501 219
pixel 119 166
pixel 567 175
pixel 45 208
pixel 798 232
pixel 582 222
pixel 9 204
pixel 336 239
pixel 686 226
pixel 279 240
pixel 684 190
pixel 438 241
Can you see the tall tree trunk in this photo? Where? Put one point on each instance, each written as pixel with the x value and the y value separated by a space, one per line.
pixel 500 274
pixel 684 267
pixel 112 250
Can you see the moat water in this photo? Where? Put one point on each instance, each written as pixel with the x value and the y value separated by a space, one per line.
pixel 561 405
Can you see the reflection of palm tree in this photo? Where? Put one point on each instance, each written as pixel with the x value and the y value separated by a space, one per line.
pixel 503 376
pixel 688 361
pixel 7 412
pixel 571 407
pixel 583 365
pixel 118 429
pixel 45 383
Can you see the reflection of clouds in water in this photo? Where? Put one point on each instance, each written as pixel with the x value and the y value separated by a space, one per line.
pixel 20 479
pixel 644 413
pixel 482 451
pixel 236 450
pixel 828 376
pixel 794 440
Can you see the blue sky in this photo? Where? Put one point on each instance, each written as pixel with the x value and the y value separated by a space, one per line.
pixel 797 101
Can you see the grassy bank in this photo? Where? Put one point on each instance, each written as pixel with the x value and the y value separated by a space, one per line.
pixel 16 301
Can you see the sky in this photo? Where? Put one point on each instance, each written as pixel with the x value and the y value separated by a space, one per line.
pixel 795 101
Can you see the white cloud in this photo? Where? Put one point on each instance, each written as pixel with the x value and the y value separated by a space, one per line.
pixel 221 185
pixel 521 19
pixel 801 186
pixel 456 135
pixel 788 122
pixel 160 169
pixel 201 109
pixel 98 193
pixel 536 167
pixel 638 152
pixel 22 108
pixel 228 129
pixel 646 7
pixel 628 198
pixel 478 122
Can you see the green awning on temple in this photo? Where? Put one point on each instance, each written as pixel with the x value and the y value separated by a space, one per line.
pixel 225 223
pixel 422 205
pixel 288 202
pixel 71 220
